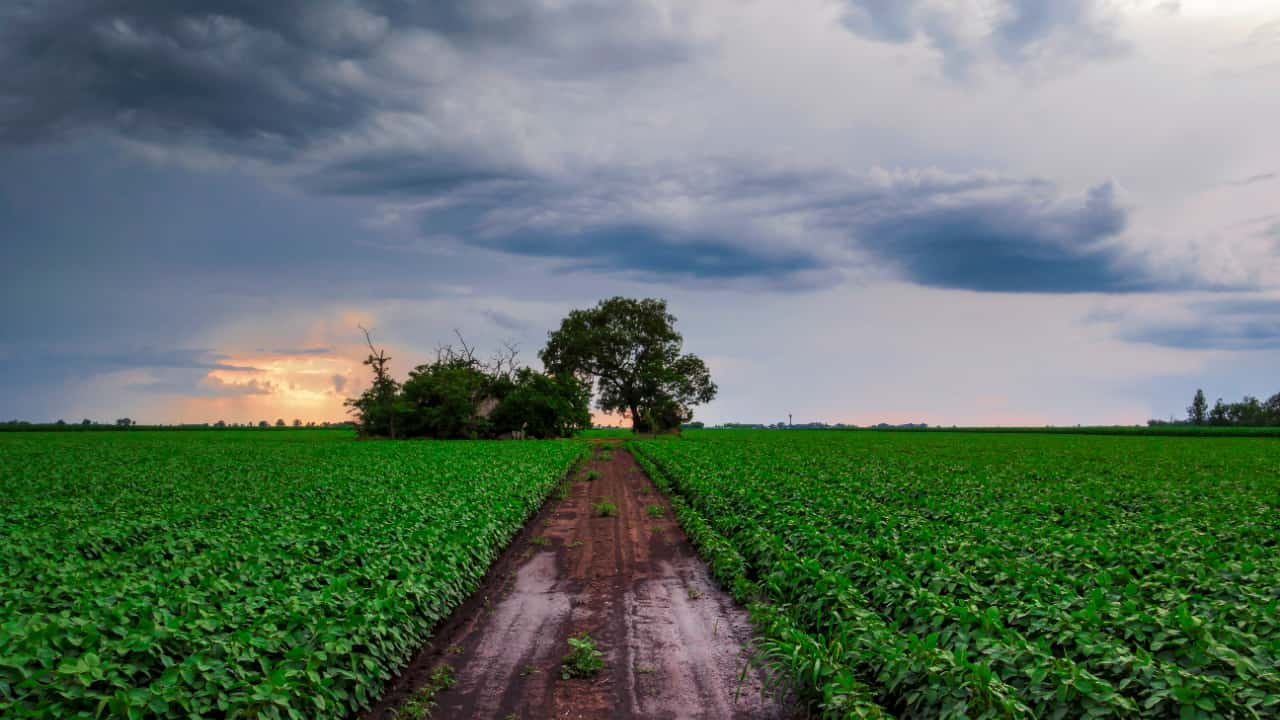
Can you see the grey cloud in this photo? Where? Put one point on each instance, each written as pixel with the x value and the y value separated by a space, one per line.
pixel 266 78
pixel 1016 243
pixel 400 174
pixel 202 386
pixel 79 364
pixel 504 321
pixel 654 252
pixel 1243 334
pixel 1016 32
pixel 1245 323
pixel 1252 180
pixel 797 230
pixel 339 383
pixel 1265 34
pixel 302 351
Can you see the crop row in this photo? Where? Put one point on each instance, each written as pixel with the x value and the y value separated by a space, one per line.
pixel 169 575
pixel 1002 576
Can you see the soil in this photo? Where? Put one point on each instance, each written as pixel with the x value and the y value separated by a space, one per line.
pixel 674 644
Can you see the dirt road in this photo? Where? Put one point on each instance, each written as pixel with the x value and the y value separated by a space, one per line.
pixel 673 643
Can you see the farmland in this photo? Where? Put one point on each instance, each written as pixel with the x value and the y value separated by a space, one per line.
pixel 240 573
pixel 954 574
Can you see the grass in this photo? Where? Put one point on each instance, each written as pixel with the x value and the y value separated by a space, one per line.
pixel 655 511
pixel 584 659
pixel 605 508
pixel 592 475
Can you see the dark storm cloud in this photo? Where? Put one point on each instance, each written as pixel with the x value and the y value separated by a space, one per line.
pixel 1015 244
pixel 654 252
pixel 796 230
pixel 1229 324
pixel 269 77
pixel 1016 31
pixel 414 175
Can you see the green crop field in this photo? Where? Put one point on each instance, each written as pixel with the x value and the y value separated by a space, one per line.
pixel 247 574
pixel 992 575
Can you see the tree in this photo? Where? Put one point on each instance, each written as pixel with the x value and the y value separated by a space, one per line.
pixel 86 422
pixel 1247 413
pixel 442 400
pixel 124 422
pixel 543 406
pixel 1197 409
pixel 264 424
pixel 297 422
pixel 630 351
pixel 1272 409
pixel 376 406
pixel 1219 415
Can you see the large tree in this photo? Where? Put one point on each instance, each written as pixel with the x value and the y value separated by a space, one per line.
pixel 630 350
pixel 1197 411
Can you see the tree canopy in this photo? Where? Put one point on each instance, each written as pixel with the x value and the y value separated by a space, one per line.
pixel 459 396
pixel 631 352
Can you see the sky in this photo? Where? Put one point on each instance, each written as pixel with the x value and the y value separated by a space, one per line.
pixel 966 212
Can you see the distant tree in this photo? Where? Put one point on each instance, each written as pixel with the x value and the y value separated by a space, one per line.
pixel 279 422
pixel 297 422
pixel 124 422
pixel 1246 413
pixel 376 406
pixel 86 422
pixel 60 422
pixel 1219 415
pixel 1196 411
pixel 1272 409
pixel 264 424
pixel 630 351
pixel 220 424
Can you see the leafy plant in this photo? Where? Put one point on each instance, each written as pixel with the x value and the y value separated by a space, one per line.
pixel 592 475
pixel 241 573
pixel 999 575
pixel 605 508
pixel 583 660
pixel 655 511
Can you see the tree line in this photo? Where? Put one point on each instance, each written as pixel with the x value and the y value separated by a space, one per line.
pixel 624 352
pixel 1249 412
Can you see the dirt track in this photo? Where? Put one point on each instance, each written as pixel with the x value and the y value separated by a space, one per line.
pixel 674 644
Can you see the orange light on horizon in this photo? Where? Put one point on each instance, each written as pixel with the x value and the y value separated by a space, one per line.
pixel 307 387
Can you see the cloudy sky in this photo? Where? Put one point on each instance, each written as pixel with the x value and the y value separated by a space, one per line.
pixel 952 211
